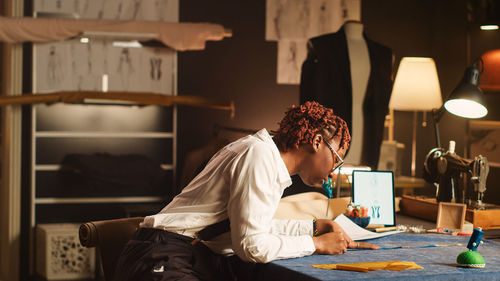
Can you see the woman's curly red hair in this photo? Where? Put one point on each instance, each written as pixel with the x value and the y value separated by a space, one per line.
pixel 302 123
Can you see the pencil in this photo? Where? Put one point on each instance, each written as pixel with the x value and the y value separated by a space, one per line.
pixel 384 229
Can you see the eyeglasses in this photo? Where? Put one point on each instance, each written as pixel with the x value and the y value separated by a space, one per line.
pixel 336 164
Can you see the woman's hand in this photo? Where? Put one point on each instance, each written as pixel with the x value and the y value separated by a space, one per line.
pixel 326 226
pixel 332 243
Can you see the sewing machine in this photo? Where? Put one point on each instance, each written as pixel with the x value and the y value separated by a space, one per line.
pixel 457 179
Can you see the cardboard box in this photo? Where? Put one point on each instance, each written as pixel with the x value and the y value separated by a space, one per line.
pixel 59 254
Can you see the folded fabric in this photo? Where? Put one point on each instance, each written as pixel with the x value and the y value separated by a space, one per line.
pixel 369 266
pixel 180 36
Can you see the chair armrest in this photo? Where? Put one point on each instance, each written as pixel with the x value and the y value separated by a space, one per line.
pixel 88 235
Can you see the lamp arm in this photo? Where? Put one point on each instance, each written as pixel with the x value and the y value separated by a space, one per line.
pixel 436 116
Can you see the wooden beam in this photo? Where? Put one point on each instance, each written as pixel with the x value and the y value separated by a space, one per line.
pixel 131 97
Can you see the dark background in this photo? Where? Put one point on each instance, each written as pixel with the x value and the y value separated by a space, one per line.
pixel 243 69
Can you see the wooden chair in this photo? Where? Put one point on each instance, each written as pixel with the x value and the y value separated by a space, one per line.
pixel 109 237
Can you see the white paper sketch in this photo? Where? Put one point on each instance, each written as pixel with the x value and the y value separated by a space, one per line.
pixel 125 68
pixel 296 21
pixel 160 10
pixel 155 10
pixel 160 72
pixel 358 233
pixel 54 6
pixel 54 71
pixel 155 71
pixel 299 19
pixel 327 15
pixel 291 54
pixel 287 19
pixel 72 65
pixel 351 10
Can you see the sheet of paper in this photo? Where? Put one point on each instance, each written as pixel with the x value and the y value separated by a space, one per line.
pixel 358 233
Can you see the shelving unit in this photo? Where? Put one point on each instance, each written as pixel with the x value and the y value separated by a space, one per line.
pixel 117 129
pixel 97 128
pixel 45 166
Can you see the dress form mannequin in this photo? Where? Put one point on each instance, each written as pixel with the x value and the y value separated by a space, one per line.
pixel 351 73
pixel 359 59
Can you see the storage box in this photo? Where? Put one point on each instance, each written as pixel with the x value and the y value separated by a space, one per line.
pixel 427 208
pixel 59 254
pixel 451 216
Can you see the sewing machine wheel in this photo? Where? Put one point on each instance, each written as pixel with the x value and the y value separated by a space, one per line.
pixel 432 165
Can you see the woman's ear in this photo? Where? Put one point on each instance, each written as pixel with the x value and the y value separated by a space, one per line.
pixel 317 141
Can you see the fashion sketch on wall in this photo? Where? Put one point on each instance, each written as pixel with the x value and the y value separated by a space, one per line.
pixel 290 58
pixel 73 65
pixel 296 21
pixel 155 10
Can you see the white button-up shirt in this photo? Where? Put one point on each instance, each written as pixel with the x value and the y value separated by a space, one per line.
pixel 243 181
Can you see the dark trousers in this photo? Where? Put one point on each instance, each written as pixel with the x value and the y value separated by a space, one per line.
pixel 154 254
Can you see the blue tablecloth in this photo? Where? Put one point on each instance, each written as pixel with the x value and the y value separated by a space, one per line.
pixel 439 263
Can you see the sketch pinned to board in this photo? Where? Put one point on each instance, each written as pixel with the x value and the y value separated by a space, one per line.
pixel 287 19
pixel 299 20
pixel 160 73
pixel 54 71
pixel 155 10
pixel 290 58
pixel 164 10
pixel 155 70
pixel 62 66
pixel 77 78
pixel 125 67
pixel 72 65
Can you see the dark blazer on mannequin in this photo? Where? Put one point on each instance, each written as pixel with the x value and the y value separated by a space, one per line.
pixel 326 78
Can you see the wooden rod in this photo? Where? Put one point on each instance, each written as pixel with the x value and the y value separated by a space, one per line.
pixel 134 97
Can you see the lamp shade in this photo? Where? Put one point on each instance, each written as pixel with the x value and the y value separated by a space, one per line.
pixel 467 100
pixel 416 86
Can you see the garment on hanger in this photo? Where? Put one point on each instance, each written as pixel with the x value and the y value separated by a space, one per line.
pixel 326 78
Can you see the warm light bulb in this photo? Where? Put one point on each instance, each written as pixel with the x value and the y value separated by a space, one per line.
pixel 127 44
pixel 466 108
pixel 489 27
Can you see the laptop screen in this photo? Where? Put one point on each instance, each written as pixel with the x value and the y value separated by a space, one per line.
pixel 375 190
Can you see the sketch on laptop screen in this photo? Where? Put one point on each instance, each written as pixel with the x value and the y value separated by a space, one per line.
pixel 375 190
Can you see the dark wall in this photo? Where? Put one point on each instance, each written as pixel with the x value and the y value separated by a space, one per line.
pixel 424 29
pixel 243 68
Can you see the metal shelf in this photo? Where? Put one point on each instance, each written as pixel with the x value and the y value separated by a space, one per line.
pixel 95 200
pixel 47 167
pixel 69 134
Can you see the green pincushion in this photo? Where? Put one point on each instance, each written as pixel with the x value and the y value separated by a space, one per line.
pixel 471 259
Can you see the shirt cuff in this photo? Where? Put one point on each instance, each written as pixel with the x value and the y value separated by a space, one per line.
pixel 307 245
pixel 292 227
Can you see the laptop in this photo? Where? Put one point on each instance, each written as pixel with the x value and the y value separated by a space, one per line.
pixel 375 190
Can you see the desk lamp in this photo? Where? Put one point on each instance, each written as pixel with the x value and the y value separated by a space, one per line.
pixel 445 168
pixel 416 88
pixel 467 100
